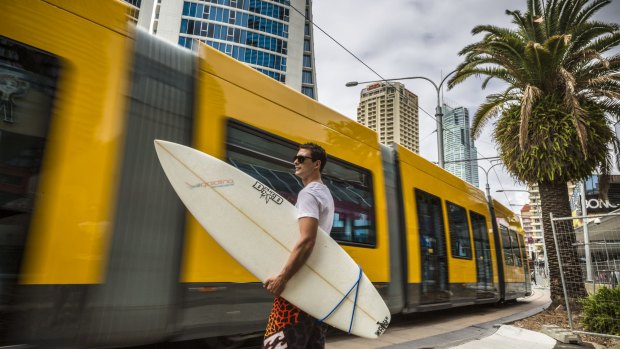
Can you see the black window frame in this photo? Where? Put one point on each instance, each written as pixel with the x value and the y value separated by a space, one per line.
pixel 506 245
pixel 454 239
pixel 516 250
pixel 523 251
pixel 479 227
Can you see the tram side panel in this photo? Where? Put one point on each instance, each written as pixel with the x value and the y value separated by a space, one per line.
pixel 445 268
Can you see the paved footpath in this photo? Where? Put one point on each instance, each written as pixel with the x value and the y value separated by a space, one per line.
pixel 477 329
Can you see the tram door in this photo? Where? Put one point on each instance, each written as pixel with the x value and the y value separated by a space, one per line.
pixel 484 264
pixel 434 257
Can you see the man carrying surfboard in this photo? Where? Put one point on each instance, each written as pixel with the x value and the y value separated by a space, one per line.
pixel 288 326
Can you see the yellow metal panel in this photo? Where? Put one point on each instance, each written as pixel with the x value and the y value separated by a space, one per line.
pixel 512 273
pixel 71 225
pixel 247 78
pixel 228 89
pixel 417 172
pixel 111 14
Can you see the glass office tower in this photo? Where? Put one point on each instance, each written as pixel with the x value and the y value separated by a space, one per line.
pixel 272 36
pixel 459 149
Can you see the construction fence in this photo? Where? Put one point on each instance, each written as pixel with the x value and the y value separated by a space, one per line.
pixel 588 253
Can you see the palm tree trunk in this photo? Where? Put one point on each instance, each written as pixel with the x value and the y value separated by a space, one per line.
pixel 554 199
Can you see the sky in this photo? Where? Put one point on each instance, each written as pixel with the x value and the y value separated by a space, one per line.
pixel 402 38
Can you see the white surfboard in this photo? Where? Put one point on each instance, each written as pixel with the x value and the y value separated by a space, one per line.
pixel 258 228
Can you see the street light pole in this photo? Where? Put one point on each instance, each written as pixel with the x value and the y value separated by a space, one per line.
pixel 586 233
pixel 488 187
pixel 494 228
pixel 438 111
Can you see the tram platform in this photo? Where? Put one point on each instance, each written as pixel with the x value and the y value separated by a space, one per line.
pixel 474 330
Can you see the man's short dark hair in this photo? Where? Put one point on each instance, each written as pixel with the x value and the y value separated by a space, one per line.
pixel 316 153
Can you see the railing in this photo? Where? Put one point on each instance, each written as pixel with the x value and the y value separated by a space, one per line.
pixel 595 255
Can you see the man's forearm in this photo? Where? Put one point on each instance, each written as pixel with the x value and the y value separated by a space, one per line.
pixel 299 255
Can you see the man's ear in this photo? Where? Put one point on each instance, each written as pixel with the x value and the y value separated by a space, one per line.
pixel 318 164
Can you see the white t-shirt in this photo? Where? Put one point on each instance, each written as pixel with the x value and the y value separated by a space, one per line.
pixel 315 201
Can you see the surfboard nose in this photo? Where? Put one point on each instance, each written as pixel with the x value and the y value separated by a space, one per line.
pixel 159 143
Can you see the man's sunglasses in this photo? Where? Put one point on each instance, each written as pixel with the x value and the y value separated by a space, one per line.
pixel 301 158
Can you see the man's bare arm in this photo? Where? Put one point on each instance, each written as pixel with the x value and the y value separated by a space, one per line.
pixel 308 227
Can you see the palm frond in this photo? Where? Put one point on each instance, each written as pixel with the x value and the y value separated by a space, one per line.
pixel 492 29
pixel 601 80
pixel 551 12
pixel 569 11
pixel 588 11
pixel 572 104
pixel 537 59
pixel 558 44
pixel 530 94
pixel 593 36
pixel 489 110
pixel 605 43
pixel 583 59
pixel 611 106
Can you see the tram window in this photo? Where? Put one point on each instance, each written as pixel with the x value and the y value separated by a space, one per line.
pixel 459 231
pixel 433 251
pixel 522 248
pixel 508 255
pixel 28 79
pixel 515 247
pixel 482 247
pixel 267 158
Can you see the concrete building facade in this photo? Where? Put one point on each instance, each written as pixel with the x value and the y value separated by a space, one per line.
pixel 526 224
pixel 536 219
pixel 392 111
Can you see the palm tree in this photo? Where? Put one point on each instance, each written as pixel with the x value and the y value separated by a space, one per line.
pixel 554 119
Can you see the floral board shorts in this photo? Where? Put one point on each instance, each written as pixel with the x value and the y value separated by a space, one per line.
pixel 291 328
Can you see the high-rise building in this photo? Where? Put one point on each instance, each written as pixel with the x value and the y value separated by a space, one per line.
pixel 392 111
pixel 269 35
pixel 459 149
pixel 536 214
pixel 531 243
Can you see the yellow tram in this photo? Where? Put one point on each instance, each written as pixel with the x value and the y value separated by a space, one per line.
pixel 97 250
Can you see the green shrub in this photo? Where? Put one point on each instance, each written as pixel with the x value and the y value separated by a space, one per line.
pixel 601 311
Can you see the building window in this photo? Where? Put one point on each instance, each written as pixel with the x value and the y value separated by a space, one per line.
pixel 308 91
pixel 307 77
